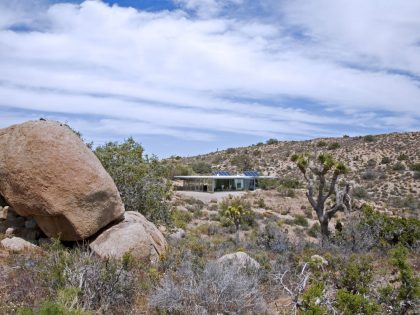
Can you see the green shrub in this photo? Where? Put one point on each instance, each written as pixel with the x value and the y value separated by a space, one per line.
pixel 385 160
pixel 333 146
pixel 402 157
pixel 272 141
pixel 321 144
pixel 201 167
pixel 311 298
pixel 393 230
pixel 301 220
pixel 292 183
pixel 355 276
pixel 369 138
pixel 230 150
pixel 349 304
pixel 243 162
pixel 181 218
pixel 415 167
pixel 141 181
pixel 246 216
pixel 315 230
pixel 398 166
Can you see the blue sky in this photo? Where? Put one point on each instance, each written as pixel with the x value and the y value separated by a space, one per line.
pixel 185 77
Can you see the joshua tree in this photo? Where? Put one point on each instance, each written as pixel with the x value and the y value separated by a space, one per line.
pixel 315 170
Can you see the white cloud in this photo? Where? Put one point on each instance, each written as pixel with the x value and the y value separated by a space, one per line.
pixel 163 72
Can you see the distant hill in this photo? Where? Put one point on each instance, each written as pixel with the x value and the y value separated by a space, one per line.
pixel 385 169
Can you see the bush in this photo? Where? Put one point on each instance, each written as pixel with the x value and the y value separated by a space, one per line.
pixel 321 144
pixel 385 160
pixel 369 138
pixel 141 181
pixel 272 141
pixel 230 150
pixel 274 238
pixel 243 162
pixel 369 175
pixel 349 303
pixel 400 299
pixel 217 289
pixel 402 157
pixel 415 167
pixel 315 230
pixel 181 218
pixel 292 183
pixel 301 220
pixel 246 217
pixel 398 166
pixel 201 167
pixel 333 146
pixel 360 192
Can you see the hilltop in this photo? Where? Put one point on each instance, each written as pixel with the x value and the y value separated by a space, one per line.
pixel 384 169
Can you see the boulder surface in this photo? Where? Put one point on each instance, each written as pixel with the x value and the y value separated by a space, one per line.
pixel 239 259
pixel 17 244
pixel 135 235
pixel 49 174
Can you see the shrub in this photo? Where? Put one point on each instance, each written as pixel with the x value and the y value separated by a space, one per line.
pixel 349 303
pixel 217 289
pixel 321 144
pixel 272 141
pixel 274 238
pixel 369 175
pixel 301 220
pixel 247 218
pixel 360 192
pixel 415 167
pixel 242 161
pixel 356 276
pixel 201 167
pixel 292 183
pixel 315 230
pixel 311 299
pixel 230 150
pixel 402 157
pixel 398 166
pixel 140 181
pixel 400 299
pixel 333 146
pixel 181 218
pixel 369 138
pixel 385 160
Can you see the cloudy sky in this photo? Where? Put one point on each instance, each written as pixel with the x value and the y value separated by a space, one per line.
pixel 190 76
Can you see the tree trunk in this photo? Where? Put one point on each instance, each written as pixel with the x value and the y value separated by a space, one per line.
pixel 324 228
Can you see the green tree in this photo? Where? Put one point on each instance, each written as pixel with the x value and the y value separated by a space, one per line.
pixel 141 181
pixel 315 170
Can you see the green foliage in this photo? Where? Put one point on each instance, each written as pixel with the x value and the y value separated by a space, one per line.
pixel 393 230
pixel 292 183
pixel 409 289
pixel 315 230
pixel 141 181
pixel 386 160
pixel 398 166
pixel 356 276
pixel 415 167
pixel 272 141
pixel 321 144
pixel 333 146
pixel 51 308
pixel 234 211
pixel 311 297
pixel 181 218
pixel 369 138
pixel 201 167
pixel 243 162
pixel 301 220
pixel 350 303
pixel 402 157
pixel 230 150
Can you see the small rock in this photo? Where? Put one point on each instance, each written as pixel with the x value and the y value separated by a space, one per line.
pixel 240 259
pixel 17 244
pixel 177 235
pixel 9 232
pixel 3 213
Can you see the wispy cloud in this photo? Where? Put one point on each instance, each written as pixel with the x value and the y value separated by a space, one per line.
pixel 292 69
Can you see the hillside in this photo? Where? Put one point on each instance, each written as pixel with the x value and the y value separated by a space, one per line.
pixel 384 169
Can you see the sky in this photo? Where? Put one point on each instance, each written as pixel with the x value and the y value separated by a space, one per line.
pixel 185 77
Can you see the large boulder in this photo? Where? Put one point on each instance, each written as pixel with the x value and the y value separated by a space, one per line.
pixel 134 235
pixel 49 174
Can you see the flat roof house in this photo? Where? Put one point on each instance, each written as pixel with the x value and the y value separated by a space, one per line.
pixel 221 181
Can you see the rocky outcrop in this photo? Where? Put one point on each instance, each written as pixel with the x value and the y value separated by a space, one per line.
pixel 239 259
pixel 49 174
pixel 17 244
pixel 134 235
